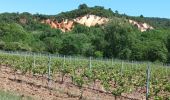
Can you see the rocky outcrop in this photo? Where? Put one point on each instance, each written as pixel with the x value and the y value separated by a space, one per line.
pixel 141 26
pixel 65 25
pixel 91 20
pixel 23 20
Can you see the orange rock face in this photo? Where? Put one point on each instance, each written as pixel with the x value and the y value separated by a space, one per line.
pixel 89 20
pixel 63 26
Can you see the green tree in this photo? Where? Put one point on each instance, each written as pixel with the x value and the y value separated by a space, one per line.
pixel 53 44
pixel 75 44
pixel 83 6
pixel 141 16
pixel 120 38
pixel 156 51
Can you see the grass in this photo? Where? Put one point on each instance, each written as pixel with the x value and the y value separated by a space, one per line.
pixel 12 96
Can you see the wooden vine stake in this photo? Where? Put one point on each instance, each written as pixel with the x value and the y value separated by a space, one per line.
pixel 147 82
pixel 90 65
pixel 49 71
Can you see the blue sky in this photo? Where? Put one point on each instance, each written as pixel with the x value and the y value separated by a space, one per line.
pixel 149 8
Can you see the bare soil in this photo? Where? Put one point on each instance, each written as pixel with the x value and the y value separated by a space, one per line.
pixel 38 87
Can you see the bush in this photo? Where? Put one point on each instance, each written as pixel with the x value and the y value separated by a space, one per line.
pixel 98 54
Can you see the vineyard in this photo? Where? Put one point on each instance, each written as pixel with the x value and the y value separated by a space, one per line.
pixel 118 79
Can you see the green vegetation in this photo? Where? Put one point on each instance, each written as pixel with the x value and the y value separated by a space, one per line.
pixel 117 39
pixel 83 9
pixel 115 77
pixel 11 96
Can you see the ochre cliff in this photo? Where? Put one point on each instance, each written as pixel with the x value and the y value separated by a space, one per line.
pixel 141 26
pixel 65 25
pixel 89 20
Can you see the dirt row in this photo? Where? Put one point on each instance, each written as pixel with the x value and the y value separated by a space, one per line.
pixel 39 88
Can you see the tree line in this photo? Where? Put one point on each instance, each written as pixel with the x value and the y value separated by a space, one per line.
pixel 116 39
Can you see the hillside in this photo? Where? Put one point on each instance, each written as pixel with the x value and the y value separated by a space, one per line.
pixel 88 31
pixel 89 20
pixel 68 25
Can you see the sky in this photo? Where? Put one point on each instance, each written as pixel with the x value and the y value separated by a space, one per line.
pixel 148 8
